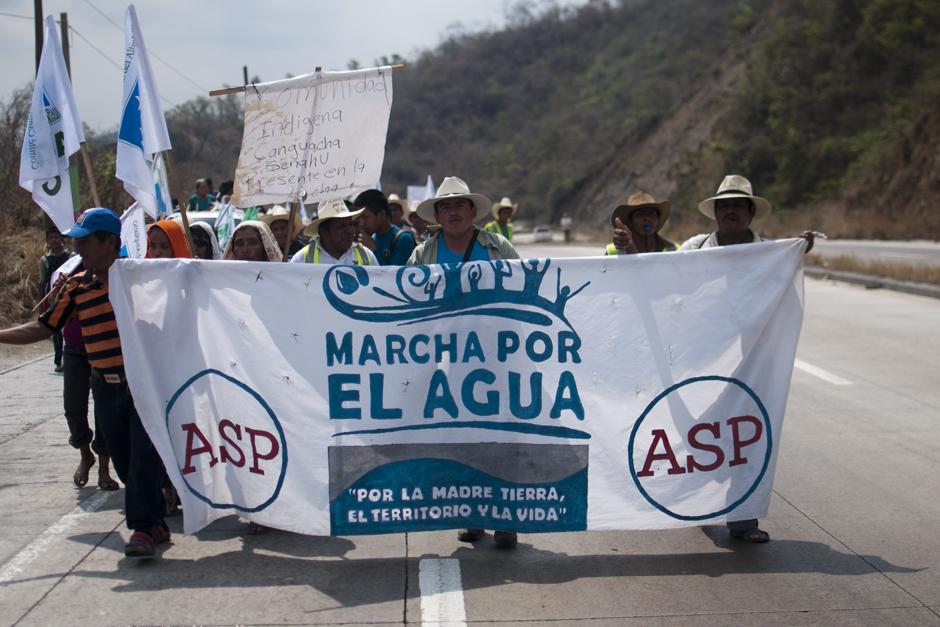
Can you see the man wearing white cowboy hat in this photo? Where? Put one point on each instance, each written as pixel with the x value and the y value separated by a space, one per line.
pixel 333 236
pixel 734 207
pixel 398 213
pixel 455 208
pixel 502 211
pixel 636 226
pixel 278 218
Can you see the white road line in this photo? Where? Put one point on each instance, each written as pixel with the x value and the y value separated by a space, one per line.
pixel 56 532
pixel 902 255
pixel 441 593
pixel 816 371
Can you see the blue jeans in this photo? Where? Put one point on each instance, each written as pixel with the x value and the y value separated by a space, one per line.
pixel 134 457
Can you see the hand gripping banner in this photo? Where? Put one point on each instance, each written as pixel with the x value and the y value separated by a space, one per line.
pixel 636 392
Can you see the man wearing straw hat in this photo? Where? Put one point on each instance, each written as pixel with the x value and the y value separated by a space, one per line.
pixel 333 236
pixel 503 211
pixel 455 208
pixel 278 218
pixel 637 224
pixel 398 212
pixel 735 208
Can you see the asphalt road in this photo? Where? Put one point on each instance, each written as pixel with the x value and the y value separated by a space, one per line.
pixel 855 521
pixel 921 253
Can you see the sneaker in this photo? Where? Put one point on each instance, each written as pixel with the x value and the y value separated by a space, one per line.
pixel 58 370
pixel 505 539
pixel 141 545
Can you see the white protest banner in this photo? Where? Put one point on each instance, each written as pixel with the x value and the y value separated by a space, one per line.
pixel 53 133
pixel 323 133
pixel 633 392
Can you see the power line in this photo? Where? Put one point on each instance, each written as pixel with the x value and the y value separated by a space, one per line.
pixel 107 58
pixel 152 53
pixel 24 17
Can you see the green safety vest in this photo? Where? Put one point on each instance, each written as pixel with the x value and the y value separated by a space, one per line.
pixel 668 248
pixel 312 254
pixel 494 227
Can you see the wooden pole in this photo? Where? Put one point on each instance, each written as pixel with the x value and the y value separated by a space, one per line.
pixel 245 75
pixel 224 91
pixel 86 159
pixel 73 164
pixel 294 211
pixel 181 195
pixel 37 18
pixel 64 30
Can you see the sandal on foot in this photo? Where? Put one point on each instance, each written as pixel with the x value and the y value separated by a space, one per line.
pixel 140 546
pixel 753 535
pixel 505 539
pixel 108 484
pixel 80 476
pixel 470 535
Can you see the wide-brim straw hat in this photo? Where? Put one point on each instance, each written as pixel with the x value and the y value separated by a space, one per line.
pixel 452 187
pixel 505 202
pixel 280 212
pixel 638 200
pixel 329 209
pixel 736 186
pixel 393 199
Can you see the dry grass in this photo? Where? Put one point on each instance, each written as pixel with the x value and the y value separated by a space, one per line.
pixel 19 274
pixel 898 271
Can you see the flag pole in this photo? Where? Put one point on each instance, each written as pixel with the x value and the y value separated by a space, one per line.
pixel 294 211
pixel 171 175
pixel 224 91
pixel 86 159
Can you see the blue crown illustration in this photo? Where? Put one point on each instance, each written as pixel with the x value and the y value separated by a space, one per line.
pixel 462 289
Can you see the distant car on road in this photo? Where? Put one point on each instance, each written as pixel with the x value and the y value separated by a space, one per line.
pixel 208 216
pixel 542 234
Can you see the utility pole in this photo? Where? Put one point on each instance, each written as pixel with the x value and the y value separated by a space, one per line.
pixel 245 74
pixel 37 18
pixel 64 35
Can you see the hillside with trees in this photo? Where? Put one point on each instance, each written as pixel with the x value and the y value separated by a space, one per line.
pixel 830 108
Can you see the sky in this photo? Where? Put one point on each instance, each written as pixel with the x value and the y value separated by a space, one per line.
pixel 198 46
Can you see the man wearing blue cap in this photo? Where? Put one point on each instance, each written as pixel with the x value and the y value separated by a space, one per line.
pixel 98 240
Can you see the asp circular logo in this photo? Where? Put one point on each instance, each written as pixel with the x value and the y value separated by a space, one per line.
pixel 229 445
pixel 701 447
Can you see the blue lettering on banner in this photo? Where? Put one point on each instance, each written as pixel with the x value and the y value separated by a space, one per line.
pixel 422 494
pixel 495 289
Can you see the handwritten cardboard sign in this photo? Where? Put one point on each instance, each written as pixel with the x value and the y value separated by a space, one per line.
pixel 321 133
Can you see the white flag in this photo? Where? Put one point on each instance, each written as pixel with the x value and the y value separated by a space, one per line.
pixel 225 223
pixel 53 133
pixel 143 128
pixel 429 189
pixel 133 233
pixel 417 193
pixel 162 187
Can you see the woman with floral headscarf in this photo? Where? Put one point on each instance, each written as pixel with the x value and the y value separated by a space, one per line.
pixel 252 240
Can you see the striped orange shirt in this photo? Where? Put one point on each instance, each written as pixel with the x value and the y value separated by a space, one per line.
pixel 88 300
